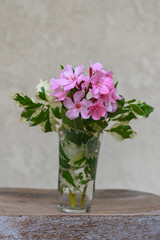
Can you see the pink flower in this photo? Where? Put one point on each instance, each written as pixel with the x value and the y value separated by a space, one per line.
pixel 97 110
pixel 69 78
pixel 100 84
pixel 85 83
pixel 109 100
pixel 99 67
pixel 96 66
pixel 77 106
pixel 60 94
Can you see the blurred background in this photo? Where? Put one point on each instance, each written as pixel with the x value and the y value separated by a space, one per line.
pixel 35 37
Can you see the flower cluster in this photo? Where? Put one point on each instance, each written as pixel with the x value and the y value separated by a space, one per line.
pixel 85 96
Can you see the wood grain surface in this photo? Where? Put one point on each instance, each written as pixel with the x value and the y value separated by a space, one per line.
pixel 116 214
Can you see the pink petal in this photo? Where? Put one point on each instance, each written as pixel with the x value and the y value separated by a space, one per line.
pixel 97 111
pixel 68 103
pixel 84 113
pixel 104 90
pixel 59 99
pixel 60 94
pixel 78 96
pixel 96 66
pixel 64 81
pixel 109 107
pixel 54 83
pixel 68 71
pixel 86 103
pixel 96 116
pixel 79 70
pixel 80 78
pixel 94 90
pixel 72 113
pixel 102 111
pixel 70 86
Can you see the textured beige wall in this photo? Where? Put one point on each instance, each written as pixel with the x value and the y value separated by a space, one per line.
pixel 35 37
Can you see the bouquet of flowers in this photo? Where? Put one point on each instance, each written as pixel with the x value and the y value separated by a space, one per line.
pixel 81 107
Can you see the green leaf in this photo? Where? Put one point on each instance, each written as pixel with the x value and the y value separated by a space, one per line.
pixel 131 101
pixel 47 125
pixel 121 102
pixel 38 118
pixel 126 117
pixel 119 112
pixel 27 114
pixel 88 121
pixel 137 110
pixel 42 94
pixel 63 159
pixel 80 176
pixel 147 109
pixel 115 85
pixel 121 131
pixel 90 128
pixel 65 120
pixel 77 137
pixel 68 177
pixel 80 162
pixel 102 123
pixel 25 102
pixel 92 166
pixel 78 123
pixel 61 66
pixel 92 145
pixel 84 182
pixel 95 126
pixel 56 112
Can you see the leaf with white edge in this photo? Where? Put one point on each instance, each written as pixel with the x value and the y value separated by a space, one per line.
pixel 119 111
pixel 24 101
pixel 125 117
pixel 84 182
pixel 80 176
pixel 138 111
pixel 80 163
pixel 37 117
pixel 95 126
pixel 147 109
pixel 53 121
pixel 42 90
pixel 56 112
pixel 42 94
pixel 121 131
pixel 46 125
pixel 26 115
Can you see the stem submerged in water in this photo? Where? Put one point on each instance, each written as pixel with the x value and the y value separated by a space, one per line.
pixel 83 196
pixel 72 197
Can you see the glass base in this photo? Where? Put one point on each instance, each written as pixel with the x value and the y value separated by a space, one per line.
pixel 68 209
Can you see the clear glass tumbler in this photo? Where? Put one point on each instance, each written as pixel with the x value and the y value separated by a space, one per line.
pixel 78 156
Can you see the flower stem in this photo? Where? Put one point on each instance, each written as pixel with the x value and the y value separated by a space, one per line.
pixel 83 196
pixel 72 197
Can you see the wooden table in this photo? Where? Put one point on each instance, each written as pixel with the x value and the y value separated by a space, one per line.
pixel 116 214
